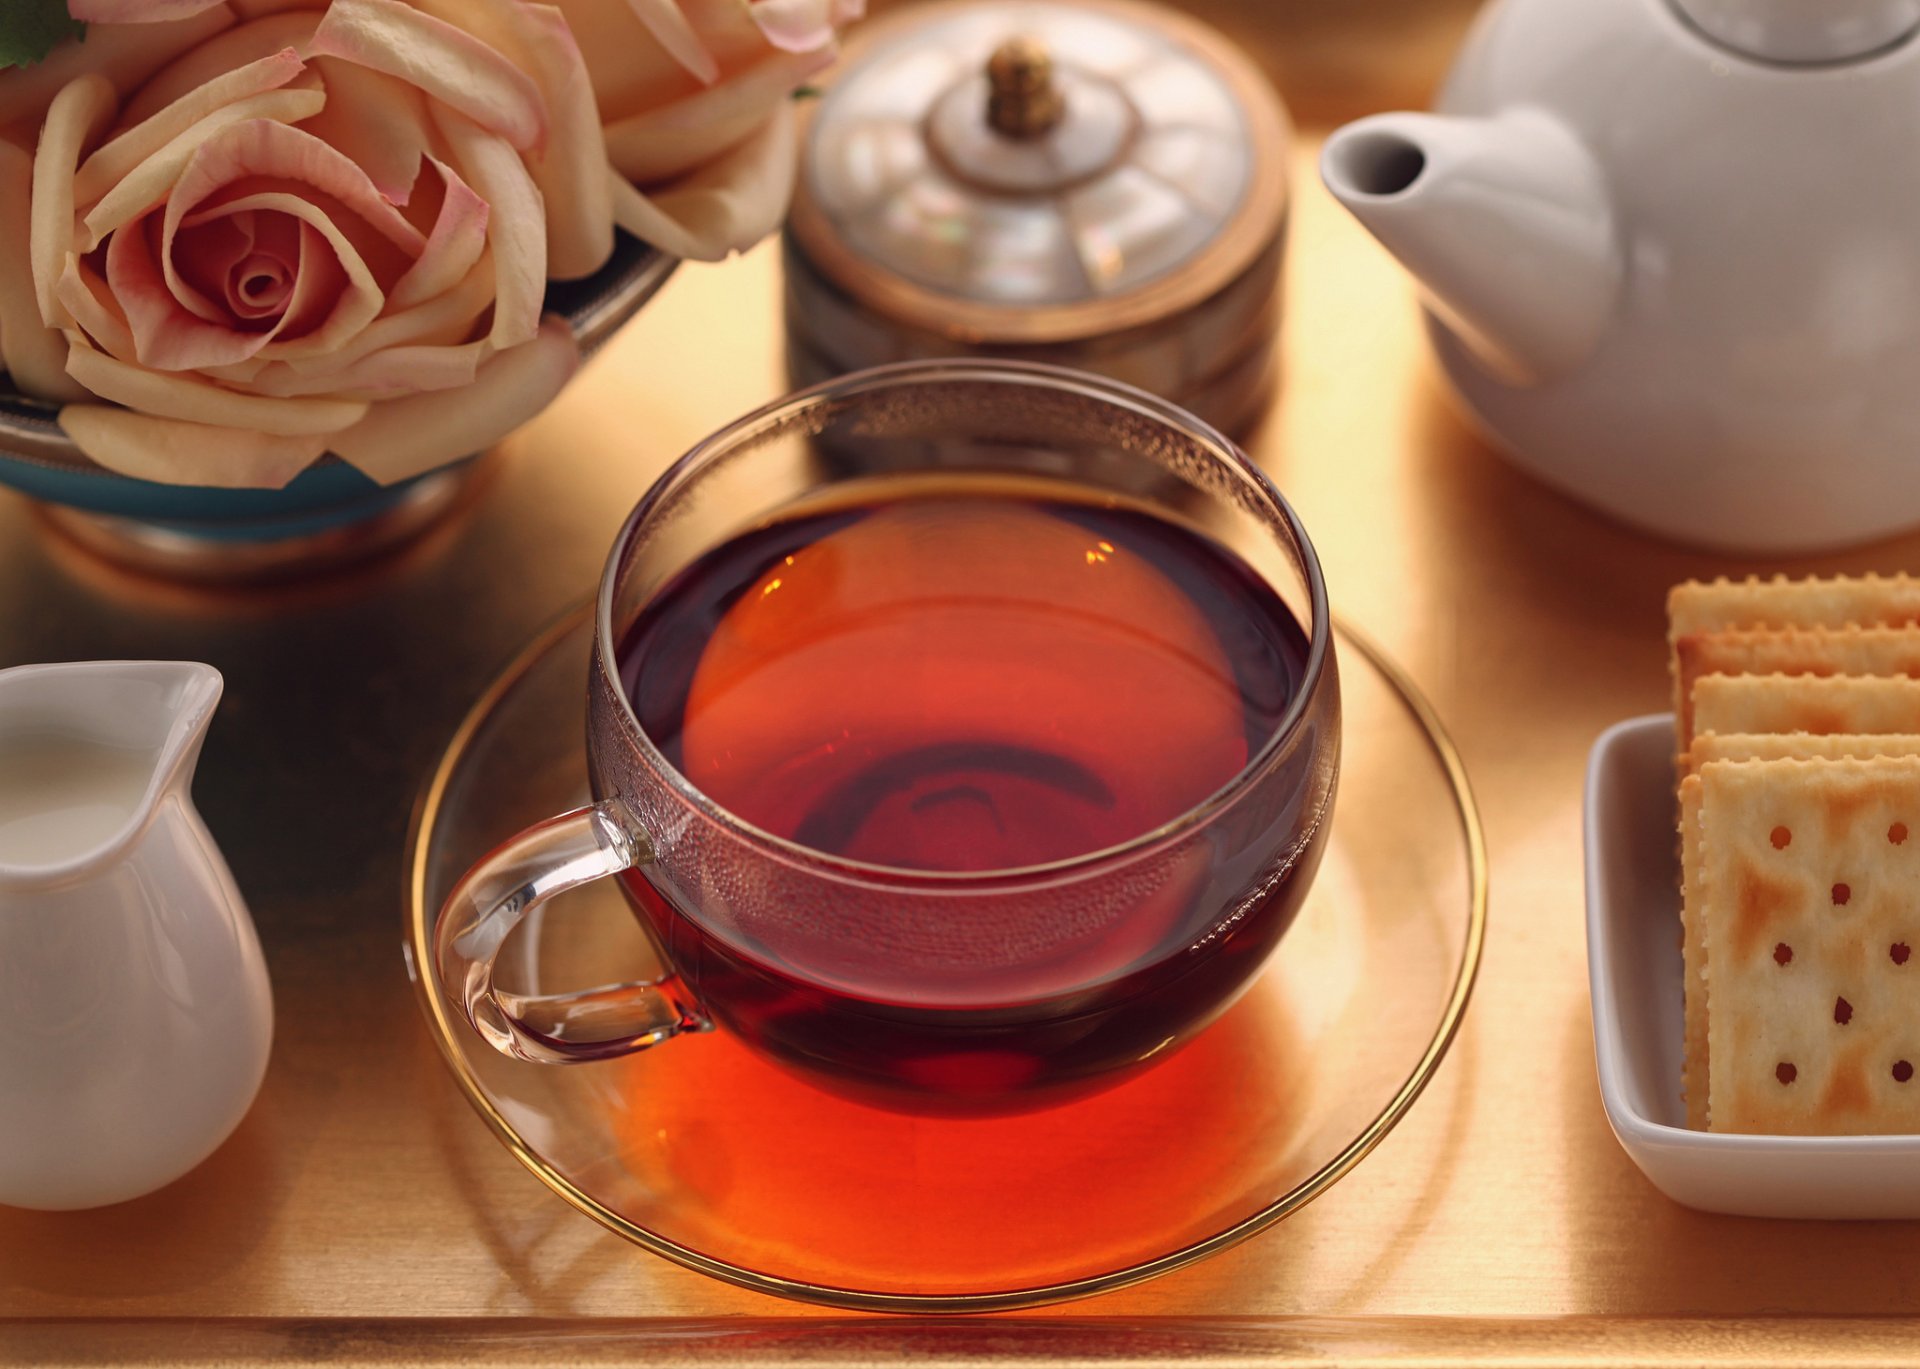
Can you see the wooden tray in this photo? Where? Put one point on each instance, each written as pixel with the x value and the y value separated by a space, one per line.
pixel 363 1212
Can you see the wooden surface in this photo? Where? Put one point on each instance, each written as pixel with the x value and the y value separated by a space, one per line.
pixel 363 1211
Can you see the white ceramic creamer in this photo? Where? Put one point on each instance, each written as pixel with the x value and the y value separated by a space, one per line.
pixel 135 1014
pixel 1671 250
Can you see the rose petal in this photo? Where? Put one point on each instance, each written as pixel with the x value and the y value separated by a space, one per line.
pixel 241 373
pixel 259 9
pixel 675 138
pixel 170 337
pixel 172 452
pixel 629 69
pixel 261 286
pixel 458 238
pixel 125 56
pixel 149 183
pixel 32 353
pixel 803 25
pixel 451 66
pixel 335 294
pixel 111 164
pixel 262 147
pixel 377 121
pixel 405 437
pixel 329 303
pixel 238 46
pixel 570 169
pixel 94 309
pixel 516 225
pixel 165 334
pixel 726 206
pixel 195 401
pixel 205 254
pixel 77 115
pixel 499 25
pixel 672 31
pixel 135 11
pixel 393 372
pixel 446 320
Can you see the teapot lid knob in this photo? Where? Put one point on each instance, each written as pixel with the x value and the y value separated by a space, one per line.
pixel 1804 32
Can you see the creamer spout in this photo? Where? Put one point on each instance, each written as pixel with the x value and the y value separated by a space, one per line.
pixel 89 751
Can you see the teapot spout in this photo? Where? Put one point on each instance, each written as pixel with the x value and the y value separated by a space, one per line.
pixel 1504 221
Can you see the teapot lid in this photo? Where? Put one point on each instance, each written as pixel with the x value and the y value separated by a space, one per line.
pixel 1804 32
pixel 1031 172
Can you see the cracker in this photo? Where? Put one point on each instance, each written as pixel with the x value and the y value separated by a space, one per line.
pixel 1798 746
pixel 1805 703
pixel 1789 651
pixel 1865 601
pixel 1696 1061
pixel 1807 873
pixel 1695 1064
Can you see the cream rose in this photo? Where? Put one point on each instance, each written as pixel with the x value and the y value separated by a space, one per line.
pixel 277 228
pixel 695 95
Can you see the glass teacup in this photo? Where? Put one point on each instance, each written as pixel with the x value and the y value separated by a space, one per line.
pixel 964 733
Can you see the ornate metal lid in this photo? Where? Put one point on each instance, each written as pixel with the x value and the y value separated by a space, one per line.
pixel 1020 172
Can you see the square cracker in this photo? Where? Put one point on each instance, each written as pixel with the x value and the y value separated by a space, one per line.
pixel 1789 651
pixel 1865 601
pixel 1696 1063
pixel 1695 1069
pixel 1798 746
pixel 1806 703
pixel 1807 872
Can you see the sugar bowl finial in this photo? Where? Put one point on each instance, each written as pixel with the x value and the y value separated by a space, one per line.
pixel 1025 102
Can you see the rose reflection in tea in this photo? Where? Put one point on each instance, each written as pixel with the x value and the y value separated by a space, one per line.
pixel 973 680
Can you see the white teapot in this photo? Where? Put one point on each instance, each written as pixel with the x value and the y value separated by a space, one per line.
pixel 135 1014
pixel 1671 255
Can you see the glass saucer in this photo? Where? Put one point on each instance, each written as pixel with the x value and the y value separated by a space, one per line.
pixel 702 1152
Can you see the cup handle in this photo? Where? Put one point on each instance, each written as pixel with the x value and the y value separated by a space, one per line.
pixel 511 881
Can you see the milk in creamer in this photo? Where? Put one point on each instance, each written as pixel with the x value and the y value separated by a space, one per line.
pixel 62 797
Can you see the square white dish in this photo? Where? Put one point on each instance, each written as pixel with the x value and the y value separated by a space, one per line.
pixel 1634 973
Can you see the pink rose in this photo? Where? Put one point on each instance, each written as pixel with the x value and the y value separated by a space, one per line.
pixel 327 228
pixel 696 96
pixel 254 231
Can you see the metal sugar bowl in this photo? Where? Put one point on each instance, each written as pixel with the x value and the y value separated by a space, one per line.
pixel 1083 182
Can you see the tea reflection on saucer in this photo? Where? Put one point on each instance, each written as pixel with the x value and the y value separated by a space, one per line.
pixel 767 1159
